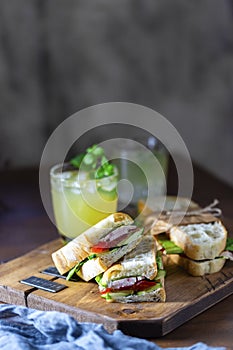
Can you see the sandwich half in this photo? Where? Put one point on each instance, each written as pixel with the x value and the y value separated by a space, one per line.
pixel 137 277
pixel 202 245
pixel 96 249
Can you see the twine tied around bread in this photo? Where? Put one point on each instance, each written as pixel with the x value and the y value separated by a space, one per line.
pixel 164 220
pixel 210 209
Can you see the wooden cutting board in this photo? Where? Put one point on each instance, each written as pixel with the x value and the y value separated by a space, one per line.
pixel 187 296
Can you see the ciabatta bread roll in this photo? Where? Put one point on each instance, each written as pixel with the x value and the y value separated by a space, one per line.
pixel 99 247
pixel 200 241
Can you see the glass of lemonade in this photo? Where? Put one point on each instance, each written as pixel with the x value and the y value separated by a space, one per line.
pixel 79 200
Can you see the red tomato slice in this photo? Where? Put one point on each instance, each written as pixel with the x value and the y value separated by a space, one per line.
pixel 107 290
pixel 138 286
pixel 142 285
pixel 96 249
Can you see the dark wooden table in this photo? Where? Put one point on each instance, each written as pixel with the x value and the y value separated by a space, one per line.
pixel 24 225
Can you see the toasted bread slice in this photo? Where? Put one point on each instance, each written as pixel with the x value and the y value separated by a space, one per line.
pixel 120 282
pixel 103 261
pixel 200 241
pixel 80 247
pixel 140 261
pixel 198 268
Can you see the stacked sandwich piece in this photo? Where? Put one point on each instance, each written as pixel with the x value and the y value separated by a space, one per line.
pixel 197 242
pixel 202 246
pixel 138 276
pixel 116 252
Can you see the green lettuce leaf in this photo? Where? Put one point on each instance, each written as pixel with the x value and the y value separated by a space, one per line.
pixel 229 244
pixel 170 247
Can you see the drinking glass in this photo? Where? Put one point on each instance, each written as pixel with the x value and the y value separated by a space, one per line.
pixel 135 159
pixel 80 202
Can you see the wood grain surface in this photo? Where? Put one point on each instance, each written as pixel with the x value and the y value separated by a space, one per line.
pixel 187 296
pixel 24 226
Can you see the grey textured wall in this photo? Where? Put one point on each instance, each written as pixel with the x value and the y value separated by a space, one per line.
pixel 175 56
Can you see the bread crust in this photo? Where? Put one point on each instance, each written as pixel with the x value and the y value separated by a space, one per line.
pixel 200 241
pixel 198 268
pixel 69 255
pixel 92 268
pixel 100 264
pixel 158 295
pixel 135 261
pixel 80 247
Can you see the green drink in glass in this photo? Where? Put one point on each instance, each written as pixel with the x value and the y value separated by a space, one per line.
pixel 83 192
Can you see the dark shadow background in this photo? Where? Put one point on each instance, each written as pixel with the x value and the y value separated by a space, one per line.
pixel 175 56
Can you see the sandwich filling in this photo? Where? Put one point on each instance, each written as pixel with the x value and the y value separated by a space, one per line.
pixel 203 262
pixel 168 247
pixel 140 272
pixel 113 241
pixel 115 238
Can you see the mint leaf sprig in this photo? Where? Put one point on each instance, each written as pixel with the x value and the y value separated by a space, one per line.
pixel 95 162
pixel 76 161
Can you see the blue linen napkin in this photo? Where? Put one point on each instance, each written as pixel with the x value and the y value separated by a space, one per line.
pixel 23 328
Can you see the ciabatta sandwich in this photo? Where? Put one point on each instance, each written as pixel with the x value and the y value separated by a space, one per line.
pixel 202 245
pixel 96 249
pixel 137 277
